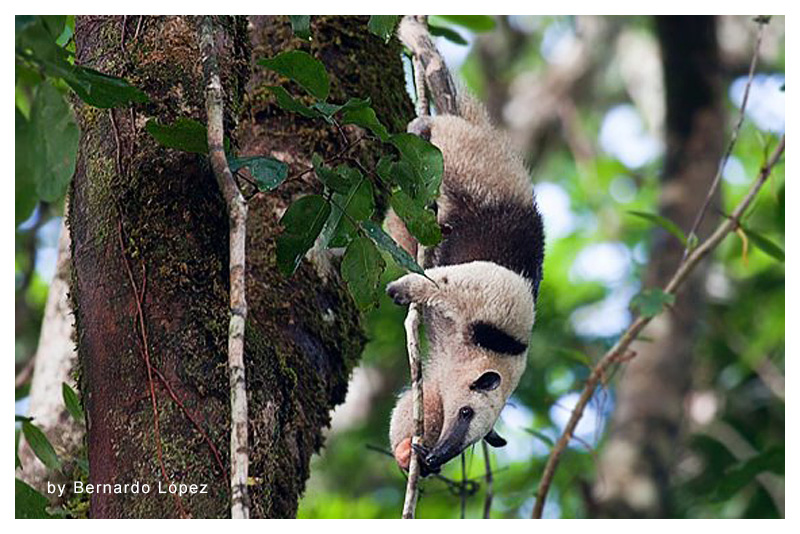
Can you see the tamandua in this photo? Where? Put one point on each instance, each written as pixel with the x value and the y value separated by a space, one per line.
pixel 479 308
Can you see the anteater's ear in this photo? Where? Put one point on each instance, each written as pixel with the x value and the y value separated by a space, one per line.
pixel 495 440
pixel 410 288
pixel 488 381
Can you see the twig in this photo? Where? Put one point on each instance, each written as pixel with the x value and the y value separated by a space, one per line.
pixel 734 137
pixel 415 364
pixel 237 214
pixel 413 31
pixel 620 349
pixel 487 503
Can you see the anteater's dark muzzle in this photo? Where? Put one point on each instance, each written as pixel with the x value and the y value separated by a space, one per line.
pixel 450 445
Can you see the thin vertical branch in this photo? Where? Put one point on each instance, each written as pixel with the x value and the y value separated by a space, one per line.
pixel 415 364
pixel 620 349
pixel 692 235
pixel 237 214
pixel 430 72
pixel 487 503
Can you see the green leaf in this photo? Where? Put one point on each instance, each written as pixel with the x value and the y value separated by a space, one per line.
pixel 72 402
pixel 769 247
pixel 663 222
pixel 447 33
pixel 365 117
pixel 302 223
pixel 21 23
pixel 40 445
pixel 420 222
pixel 383 26
pixel 24 183
pixel 334 180
pixel 476 23
pixel 541 436
pixel 358 203
pixel 29 503
pixel 54 139
pixel 301 26
pixel 184 134
pixel 741 474
pixel 362 266
pixel 302 68
pixel 268 172
pixel 287 102
pixel 386 243
pixel 651 302
pixel 421 163
pixel 101 90
pixel 328 110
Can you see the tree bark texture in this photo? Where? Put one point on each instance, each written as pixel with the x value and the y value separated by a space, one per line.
pixel 158 213
pixel 634 472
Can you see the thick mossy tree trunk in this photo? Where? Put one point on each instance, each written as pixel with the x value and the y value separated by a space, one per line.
pixel 150 276
pixel 634 470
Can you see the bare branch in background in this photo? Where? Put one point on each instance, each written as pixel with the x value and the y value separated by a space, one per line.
pixel 692 233
pixel 431 71
pixel 237 215
pixel 620 349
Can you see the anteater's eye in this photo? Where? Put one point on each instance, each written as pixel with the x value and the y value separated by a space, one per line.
pixel 466 412
pixel 486 382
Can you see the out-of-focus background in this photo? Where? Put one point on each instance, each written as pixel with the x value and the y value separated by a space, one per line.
pixel 584 97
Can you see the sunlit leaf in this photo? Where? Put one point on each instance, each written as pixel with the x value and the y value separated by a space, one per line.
pixel 302 68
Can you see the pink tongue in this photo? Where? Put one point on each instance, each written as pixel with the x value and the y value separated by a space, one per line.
pixel 402 453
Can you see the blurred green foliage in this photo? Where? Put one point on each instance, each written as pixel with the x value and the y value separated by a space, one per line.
pixel 741 347
pixel 743 326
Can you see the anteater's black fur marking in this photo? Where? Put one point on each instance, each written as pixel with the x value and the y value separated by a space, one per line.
pixel 508 233
pixel 490 337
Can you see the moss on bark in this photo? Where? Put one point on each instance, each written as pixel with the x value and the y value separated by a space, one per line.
pixel 303 334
